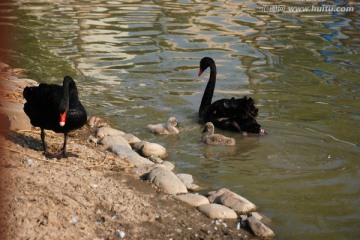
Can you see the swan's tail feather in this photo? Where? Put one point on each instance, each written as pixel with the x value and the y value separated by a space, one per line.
pixel 247 107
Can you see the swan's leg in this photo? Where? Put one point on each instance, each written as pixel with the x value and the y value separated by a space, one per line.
pixel 42 134
pixel 64 146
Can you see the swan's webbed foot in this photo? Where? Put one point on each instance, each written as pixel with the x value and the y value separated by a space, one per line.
pixel 46 153
pixel 63 153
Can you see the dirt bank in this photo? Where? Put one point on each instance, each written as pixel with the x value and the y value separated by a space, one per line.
pixel 89 195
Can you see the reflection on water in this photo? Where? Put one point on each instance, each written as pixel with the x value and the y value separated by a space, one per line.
pixel 137 62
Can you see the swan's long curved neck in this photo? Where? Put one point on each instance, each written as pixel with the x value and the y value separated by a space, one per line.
pixel 64 101
pixel 71 93
pixel 209 91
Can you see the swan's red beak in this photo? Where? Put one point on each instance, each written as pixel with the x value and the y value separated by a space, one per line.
pixel 62 119
pixel 200 72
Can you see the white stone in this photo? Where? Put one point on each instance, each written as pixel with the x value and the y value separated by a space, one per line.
pixel 213 210
pixel 121 151
pixel 156 160
pixel 137 160
pixel 108 131
pixel 131 138
pixel 259 216
pixel 210 193
pixel 230 199
pixel 154 149
pixel 109 141
pixel 187 179
pixel 167 181
pixel 128 154
pixel 259 229
pixel 192 187
pixel 138 146
pixel 168 165
pixel 193 199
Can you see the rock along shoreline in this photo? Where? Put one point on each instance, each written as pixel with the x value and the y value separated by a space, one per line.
pixel 99 156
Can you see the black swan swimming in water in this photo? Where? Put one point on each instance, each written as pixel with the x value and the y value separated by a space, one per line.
pixel 237 115
pixel 55 108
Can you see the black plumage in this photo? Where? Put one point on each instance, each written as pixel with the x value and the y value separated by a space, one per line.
pixel 228 114
pixel 54 107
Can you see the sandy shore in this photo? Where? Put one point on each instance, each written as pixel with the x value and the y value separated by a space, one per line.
pixel 89 195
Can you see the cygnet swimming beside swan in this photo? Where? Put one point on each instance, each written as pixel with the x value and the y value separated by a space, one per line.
pixel 164 128
pixel 215 139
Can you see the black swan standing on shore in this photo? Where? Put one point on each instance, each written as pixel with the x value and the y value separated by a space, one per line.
pixel 55 108
pixel 237 115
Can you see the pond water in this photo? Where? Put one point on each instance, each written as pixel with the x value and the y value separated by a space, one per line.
pixel 136 62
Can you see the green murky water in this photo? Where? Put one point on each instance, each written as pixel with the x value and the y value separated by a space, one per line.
pixel 136 62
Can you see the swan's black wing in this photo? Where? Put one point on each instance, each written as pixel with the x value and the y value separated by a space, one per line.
pixel 223 108
pixel 238 125
pixel 42 104
pixel 246 108
pixel 76 116
pixel 237 115
pixel 222 113
pixel 42 107
pixel 227 124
